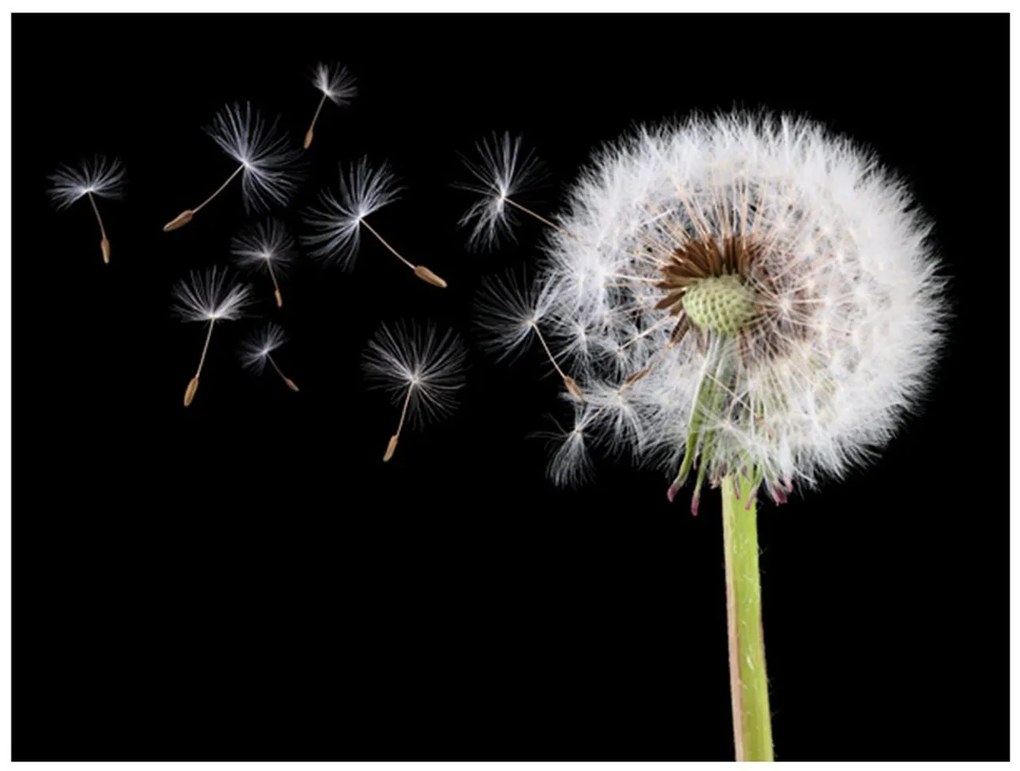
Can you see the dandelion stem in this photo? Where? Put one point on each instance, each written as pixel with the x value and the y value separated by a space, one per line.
pixel 311 129
pixel 568 381
pixel 392 446
pixel 290 383
pixel 752 721
pixel 219 190
pixel 420 271
pixel 276 286
pixel 189 394
pixel 530 213
pixel 104 245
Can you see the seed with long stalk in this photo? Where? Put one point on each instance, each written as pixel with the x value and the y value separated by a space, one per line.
pixel 207 296
pixel 501 173
pixel 98 177
pixel 265 246
pixel 257 351
pixel 267 164
pixel 336 220
pixel 337 85
pixel 508 310
pixel 421 369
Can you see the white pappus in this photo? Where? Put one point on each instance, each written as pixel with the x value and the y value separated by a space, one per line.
pixel 208 296
pixel 267 163
pixel 499 172
pixel 421 368
pixel 96 177
pixel 337 85
pixel 268 246
pixel 336 219
pixel 257 350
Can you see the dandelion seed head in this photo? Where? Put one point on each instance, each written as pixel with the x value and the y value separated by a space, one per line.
pixel 773 285
pixel 499 171
pixel 335 82
pixel 101 176
pixel 416 357
pixel 271 164
pixel 335 220
pixel 508 310
pixel 209 295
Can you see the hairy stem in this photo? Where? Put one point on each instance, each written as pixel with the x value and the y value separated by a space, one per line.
pixel 752 721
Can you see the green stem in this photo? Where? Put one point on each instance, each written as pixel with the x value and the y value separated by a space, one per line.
pixel 752 721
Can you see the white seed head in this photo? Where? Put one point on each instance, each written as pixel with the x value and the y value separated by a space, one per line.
pixel 257 347
pixel 749 291
pixel 271 164
pixel 209 295
pixel 263 244
pixel 335 82
pixel 101 176
pixel 570 463
pixel 417 357
pixel 336 218
pixel 500 172
pixel 508 309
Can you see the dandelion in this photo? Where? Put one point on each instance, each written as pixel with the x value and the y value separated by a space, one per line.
pixel 266 245
pixel 508 312
pixel 266 161
pixel 500 172
pixel 420 368
pixel 258 349
pixel 756 305
pixel 336 84
pixel 207 296
pixel 98 177
pixel 337 219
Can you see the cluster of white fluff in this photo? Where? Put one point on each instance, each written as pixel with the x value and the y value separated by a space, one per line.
pixel 851 286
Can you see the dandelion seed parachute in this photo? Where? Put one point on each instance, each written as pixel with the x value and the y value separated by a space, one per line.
pixel 500 172
pixel 761 294
pixel 268 246
pixel 268 165
pixel 97 177
pixel 337 85
pixel 336 219
pixel 208 296
pixel 257 351
pixel 420 368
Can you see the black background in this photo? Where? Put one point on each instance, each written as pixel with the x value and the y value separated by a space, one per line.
pixel 246 580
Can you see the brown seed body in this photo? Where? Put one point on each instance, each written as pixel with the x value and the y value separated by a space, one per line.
pixel 179 221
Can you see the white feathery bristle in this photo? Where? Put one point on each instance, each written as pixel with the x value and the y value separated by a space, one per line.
pixel 271 164
pixel 336 219
pixel 336 83
pixel 570 463
pixel 500 172
pixel 256 347
pixel 836 274
pixel 101 176
pixel 209 295
pixel 508 309
pixel 264 243
pixel 416 356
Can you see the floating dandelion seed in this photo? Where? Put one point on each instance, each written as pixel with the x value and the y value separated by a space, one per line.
pixel 500 172
pixel 268 165
pixel 265 246
pixel 336 84
pixel 337 219
pixel 754 301
pixel 258 349
pixel 508 311
pixel 98 177
pixel 207 296
pixel 422 370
